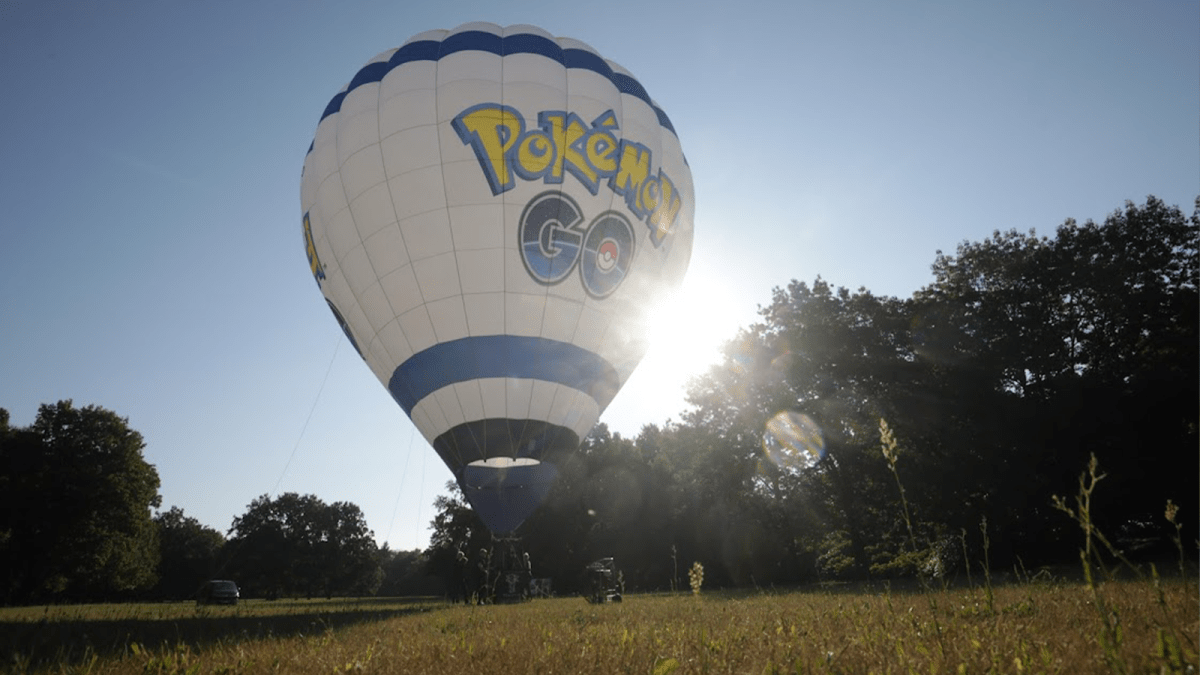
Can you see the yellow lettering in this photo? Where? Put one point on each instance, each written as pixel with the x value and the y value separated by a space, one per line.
pixel 491 130
pixel 601 150
pixel 665 210
pixel 632 172
pixel 535 154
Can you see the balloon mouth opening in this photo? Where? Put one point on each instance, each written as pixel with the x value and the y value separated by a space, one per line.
pixel 504 462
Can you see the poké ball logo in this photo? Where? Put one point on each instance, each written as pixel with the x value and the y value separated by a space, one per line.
pixel 553 238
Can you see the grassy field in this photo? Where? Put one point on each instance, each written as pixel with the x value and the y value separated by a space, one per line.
pixel 1029 628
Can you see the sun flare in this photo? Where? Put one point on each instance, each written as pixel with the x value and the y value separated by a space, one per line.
pixel 690 327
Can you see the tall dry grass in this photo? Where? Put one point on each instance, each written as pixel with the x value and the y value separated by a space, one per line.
pixel 1035 628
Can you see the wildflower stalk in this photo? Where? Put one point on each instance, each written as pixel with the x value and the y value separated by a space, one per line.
pixel 1111 634
pixel 891 452
pixel 966 558
pixel 1172 510
pixel 987 568
pixel 696 577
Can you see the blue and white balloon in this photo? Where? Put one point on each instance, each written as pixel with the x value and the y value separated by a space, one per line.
pixel 492 213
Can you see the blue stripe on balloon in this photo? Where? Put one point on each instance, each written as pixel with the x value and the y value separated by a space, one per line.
pixel 503 356
pixel 476 40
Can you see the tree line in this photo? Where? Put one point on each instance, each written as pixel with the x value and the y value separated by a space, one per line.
pixel 852 436
pixel 78 522
pixel 844 436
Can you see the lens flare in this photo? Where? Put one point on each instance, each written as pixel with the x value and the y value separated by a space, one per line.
pixel 793 441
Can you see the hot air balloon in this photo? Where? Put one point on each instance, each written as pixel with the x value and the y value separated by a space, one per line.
pixel 492 214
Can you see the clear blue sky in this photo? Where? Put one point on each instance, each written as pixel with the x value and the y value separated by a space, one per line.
pixel 150 156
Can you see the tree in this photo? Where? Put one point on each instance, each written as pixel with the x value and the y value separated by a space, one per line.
pixel 1091 338
pixel 189 553
pixel 297 544
pixel 77 504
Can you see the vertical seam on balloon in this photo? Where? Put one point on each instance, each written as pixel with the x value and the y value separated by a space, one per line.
pixel 395 214
pixel 371 263
pixel 366 351
pixel 612 197
pixel 437 115
pixel 513 438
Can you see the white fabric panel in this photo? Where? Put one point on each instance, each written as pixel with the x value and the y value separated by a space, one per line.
pixel 392 339
pixel 360 328
pixel 410 149
pixel 427 234
pixel 452 147
pixel 542 398
pixel 560 319
pixel 523 314
pixel 589 85
pixel 517 396
pixel 455 97
pixel 362 170
pixel 467 402
pixel 379 360
pixel 401 290
pixel 583 424
pixel 449 318
pixel 418 330
pixel 590 329
pixel 435 416
pixel 522 68
pixel 532 97
pixel 372 210
pixel 481 271
pixel 573 408
pixel 477 227
pixel 330 198
pixel 485 313
pixel 447 399
pixel 385 249
pixel 492 389
pixel 308 184
pixel 358 124
pixel 338 291
pixel 377 308
pixel 513 209
pixel 437 277
pixel 471 399
pixel 467 66
pixel 343 237
pixel 483 399
pixel 516 278
pixel 571 289
pixel 324 151
pixel 420 419
pixel 560 406
pixel 466 185
pixel 357 270
pixel 417 192
pixel 325 254
pixel 408 97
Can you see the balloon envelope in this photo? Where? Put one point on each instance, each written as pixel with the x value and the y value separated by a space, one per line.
pixel 492 214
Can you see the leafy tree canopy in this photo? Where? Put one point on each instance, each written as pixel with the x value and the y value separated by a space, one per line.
pixel 77 500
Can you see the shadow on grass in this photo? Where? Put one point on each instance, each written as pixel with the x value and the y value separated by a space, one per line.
pixel 62 642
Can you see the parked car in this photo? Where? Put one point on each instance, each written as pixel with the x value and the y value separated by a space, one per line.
pixel 218 592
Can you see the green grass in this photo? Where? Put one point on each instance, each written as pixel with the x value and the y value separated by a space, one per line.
pixel 1034 628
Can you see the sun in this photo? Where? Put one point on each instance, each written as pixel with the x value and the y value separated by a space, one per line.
pixel 686 334
pixel 689 328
